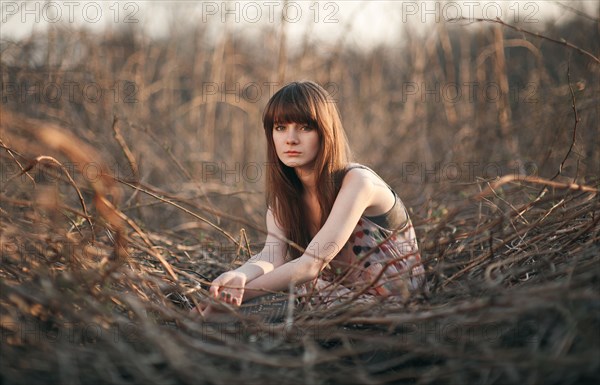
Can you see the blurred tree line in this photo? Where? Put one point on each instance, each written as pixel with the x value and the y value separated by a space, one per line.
pixel 458 103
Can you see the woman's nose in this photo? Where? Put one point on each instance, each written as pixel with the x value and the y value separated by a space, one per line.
pixel 292 137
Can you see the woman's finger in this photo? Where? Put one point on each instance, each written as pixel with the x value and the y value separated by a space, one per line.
pixel 225 296
pixel 214 290
pixel 198 309
pixel 236 298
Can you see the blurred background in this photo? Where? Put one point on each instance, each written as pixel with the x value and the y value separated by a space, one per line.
pixel 437 101
pixel 132 156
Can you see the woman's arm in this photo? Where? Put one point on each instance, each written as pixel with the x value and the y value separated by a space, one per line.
pixel 230 285
pixel 272 254
pixel 356 194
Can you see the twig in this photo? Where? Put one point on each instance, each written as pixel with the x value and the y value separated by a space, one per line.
pixel 125 147
pixel 533 179
pixel 144 237
pixel 243 242
pixel 536 34
pixel 43 158
pixel 149 190
pixel 576 117
pixel 577 12
pixel 222 231
pixel 11 153
pixel 175 160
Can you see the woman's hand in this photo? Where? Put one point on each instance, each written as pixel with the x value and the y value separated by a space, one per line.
pixel 212 313
pixel 229 287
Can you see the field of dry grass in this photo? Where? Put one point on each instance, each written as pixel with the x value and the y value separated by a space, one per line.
pixel 133 173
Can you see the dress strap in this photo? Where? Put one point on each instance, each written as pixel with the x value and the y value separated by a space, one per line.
pixel 384 219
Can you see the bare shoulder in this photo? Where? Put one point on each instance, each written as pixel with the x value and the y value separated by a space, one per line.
pixel 357 180
pixel 381 196
pixel 359 176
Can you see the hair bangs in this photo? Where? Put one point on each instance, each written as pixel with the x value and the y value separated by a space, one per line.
pixel 290 105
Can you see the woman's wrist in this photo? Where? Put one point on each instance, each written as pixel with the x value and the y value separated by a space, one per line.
pixel 243 273
pixel 252 293
pixel 240 271
pixel 253 270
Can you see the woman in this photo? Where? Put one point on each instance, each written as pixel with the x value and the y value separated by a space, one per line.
pixel 336 230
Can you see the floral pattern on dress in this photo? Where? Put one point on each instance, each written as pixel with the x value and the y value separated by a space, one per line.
pixel 374 262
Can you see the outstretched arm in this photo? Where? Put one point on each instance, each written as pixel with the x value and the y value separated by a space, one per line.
pixel 231 284
pixel 272 254
pixel 356 194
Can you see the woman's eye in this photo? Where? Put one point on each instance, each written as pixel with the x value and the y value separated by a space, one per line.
pixel 306 128
pixel 279 128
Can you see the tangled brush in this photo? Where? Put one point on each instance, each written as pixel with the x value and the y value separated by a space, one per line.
pixel 89 295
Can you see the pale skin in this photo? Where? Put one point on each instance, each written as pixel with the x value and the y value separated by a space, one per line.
pixel 361 193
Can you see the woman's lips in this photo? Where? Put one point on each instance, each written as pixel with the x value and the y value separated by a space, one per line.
pixel 292 153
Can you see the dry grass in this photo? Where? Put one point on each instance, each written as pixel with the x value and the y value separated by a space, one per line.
pixel 111 220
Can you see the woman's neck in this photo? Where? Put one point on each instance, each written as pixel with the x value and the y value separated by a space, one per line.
pixel 308 178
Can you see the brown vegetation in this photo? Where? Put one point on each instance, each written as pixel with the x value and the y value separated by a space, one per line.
pixel 115 211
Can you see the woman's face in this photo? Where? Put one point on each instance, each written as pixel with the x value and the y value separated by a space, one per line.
pixel 297 145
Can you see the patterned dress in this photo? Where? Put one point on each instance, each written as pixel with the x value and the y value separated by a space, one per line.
pixel 381 258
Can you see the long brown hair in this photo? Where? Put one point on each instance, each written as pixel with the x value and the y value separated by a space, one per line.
pixel 304 103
